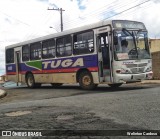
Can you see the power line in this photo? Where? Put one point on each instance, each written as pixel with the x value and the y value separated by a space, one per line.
pixel 117 6
pixel 95 11
pixel 15 19
pixel 127 9
pixel 133 12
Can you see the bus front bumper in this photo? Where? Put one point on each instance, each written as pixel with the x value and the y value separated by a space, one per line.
pixel 126 78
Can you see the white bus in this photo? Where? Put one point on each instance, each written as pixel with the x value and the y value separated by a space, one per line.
pixel 88 55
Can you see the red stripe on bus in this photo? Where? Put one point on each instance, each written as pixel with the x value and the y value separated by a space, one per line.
pixel 68 70
pixel 11 73
pixel 60 70
pixel 92 69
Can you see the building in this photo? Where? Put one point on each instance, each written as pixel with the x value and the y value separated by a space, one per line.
pixel 154 45
pixel 156 64
pixel 155 51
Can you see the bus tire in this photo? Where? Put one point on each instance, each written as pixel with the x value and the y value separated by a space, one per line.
pixel 86 81
pixel 115 85
pixel 30 81
pixel 55 85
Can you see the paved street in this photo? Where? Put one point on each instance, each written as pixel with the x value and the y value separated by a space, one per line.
pixel 130 107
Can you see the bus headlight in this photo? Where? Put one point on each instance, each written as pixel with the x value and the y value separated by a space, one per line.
pixel 122 71
pixel 149 69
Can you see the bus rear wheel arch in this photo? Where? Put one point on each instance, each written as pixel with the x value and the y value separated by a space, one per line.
pixel 85 80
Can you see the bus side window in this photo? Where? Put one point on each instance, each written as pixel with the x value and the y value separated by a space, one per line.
pixel 83 43
pixel 35 51
pixel 25 52
pixel 48 49
pixel 68 45
pixel 60 48
pixel 64 46
pixel 10 55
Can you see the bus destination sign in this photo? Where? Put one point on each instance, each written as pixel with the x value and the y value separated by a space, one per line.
pixel 128 24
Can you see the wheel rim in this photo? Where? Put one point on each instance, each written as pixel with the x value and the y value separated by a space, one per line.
pixel 30 81
pixel 86 80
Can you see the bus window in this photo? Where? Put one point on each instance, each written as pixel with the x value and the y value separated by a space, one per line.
pixel 35 51
pixel 25 52
pixel 83 43
pixel 48 49
pixel 64 47
pixel 10 55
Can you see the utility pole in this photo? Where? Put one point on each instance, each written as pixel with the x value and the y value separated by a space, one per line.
pixel 61 10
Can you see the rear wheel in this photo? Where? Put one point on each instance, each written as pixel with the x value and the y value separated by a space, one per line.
pixel 115 85
pixel 86 81
pixel 30 80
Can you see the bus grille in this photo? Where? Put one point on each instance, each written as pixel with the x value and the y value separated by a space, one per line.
pixel 137 70
pixel 136 65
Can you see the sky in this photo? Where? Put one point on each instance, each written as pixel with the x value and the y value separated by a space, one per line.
pixel 21 20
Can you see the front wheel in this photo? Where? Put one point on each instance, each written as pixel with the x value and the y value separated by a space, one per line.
pixel 30 80
pixel 115 85
pixel 86 81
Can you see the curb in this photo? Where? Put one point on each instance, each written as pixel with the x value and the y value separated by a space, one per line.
pixel 2 93
pixel 150 82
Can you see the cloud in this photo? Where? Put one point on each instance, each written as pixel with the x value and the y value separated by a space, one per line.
pixel 147 13
pixel 82 4
pixel 43 0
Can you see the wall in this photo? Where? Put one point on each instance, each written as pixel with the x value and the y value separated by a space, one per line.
pixel 156 65
pixel 154 45
pixel 155 51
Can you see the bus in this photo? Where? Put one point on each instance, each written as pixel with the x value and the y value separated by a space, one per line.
pixel 88 55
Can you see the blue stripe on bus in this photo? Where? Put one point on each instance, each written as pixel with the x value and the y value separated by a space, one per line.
pixel 60 63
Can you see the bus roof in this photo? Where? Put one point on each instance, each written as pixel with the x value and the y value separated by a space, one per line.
pixel 70 31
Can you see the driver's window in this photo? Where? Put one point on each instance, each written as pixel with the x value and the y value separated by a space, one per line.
pixel 117 44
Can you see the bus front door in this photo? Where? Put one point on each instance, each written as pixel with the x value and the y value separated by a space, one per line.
pixel 104 57
pixel 18 75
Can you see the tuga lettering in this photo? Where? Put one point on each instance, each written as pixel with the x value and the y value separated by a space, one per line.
pixel 55 64
pixel 63 63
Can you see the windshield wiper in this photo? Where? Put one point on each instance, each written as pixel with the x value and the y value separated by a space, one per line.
pixel 126 32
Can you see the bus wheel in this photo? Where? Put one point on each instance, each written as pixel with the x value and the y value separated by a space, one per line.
pixel 55 85
pixel 30 81
pixel 115 85
pixel 86 81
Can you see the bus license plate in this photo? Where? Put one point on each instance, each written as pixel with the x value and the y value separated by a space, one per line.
pixel 137 77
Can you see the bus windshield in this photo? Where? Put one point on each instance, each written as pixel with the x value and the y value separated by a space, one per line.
pixel 131 45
